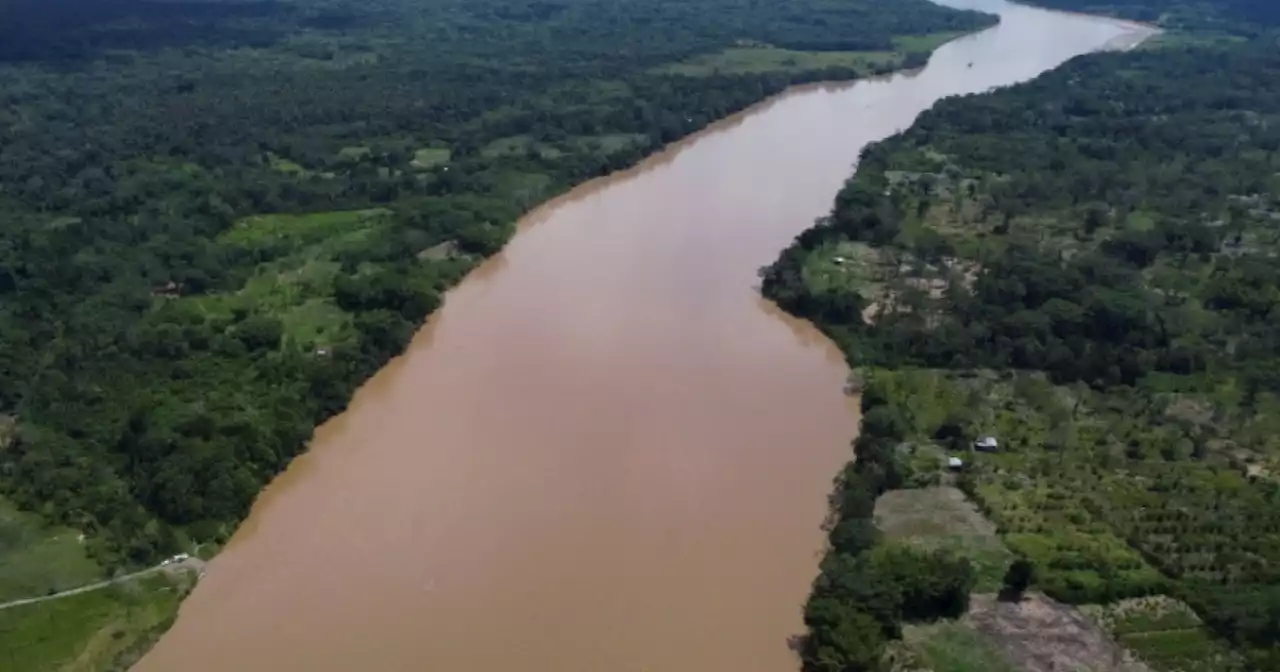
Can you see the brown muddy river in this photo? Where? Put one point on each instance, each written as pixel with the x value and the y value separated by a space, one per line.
pixel 606 452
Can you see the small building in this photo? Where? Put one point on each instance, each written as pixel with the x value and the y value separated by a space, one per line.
pixel 986 444
pixel 955 463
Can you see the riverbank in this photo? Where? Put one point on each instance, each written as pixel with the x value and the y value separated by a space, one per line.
pixel 1003 256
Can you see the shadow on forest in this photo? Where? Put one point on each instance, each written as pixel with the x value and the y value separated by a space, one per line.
pixel 68 30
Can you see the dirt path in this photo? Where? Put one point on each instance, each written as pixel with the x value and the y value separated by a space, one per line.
pixel 194 564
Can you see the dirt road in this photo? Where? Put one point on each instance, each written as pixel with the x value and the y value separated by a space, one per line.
pixel 192 564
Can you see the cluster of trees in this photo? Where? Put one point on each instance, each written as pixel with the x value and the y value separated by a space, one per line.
pixel 868 586
pixel 1111 225
pixel 1120 231
pixel 163 354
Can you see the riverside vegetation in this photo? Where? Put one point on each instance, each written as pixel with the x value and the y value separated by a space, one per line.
pixel 1083 266
pixel 220 217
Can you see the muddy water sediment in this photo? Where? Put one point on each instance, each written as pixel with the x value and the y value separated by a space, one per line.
pixel 605 452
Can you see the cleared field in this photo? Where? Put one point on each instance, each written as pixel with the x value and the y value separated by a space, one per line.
pixel 1041 635
pixel 316 322
pixel 355 152
pixel 299 229
pixel 763 58
pixel 36 559
pixel 953 647
pixel 942 518
pixel 289 167
pixel 429 157
pixel 99 630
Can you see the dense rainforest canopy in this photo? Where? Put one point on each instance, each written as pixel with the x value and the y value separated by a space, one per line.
pixel 1084 265
pixel 1241 16
pixel 220 216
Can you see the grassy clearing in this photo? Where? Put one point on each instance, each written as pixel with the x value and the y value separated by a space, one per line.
pixel 288 167
pixel 1173 39
pixel 607 144
pixel 430 157
pixel 765 59
pixel 442 252
pixel 36 559
pixel 525 189
pixel 99 630
pixel 955 647
pixel 354 153
pixel 299 229
pixel 909 43
pixel 301 262
pixel 283 165
pixel 846 265
pixel 523 145
pixel 942 518
pixel 316 323
pixel 296 290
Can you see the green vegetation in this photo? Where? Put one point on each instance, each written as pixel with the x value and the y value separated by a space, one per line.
pixel 104 629
pixel 520 145
pixel 908 51
pixel 940 518
pixel 955 647
pixel 1166 634
pixel 430 157
pixel 297 230
pixel 37 558
pixel 1083 266
pixel 1250 17
pixel 870 585
pixel 1020 575
pixel 762 59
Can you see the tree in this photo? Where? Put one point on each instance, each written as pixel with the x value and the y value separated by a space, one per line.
pixel 1020 575
pixel 260 332
pixel 841 638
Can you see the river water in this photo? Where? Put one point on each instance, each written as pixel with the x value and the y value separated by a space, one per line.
pixel 605 452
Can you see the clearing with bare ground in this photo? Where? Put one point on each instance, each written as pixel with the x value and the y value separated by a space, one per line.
pixel 1038 634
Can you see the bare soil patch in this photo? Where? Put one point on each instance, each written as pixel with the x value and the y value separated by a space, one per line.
pixel 1041 635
